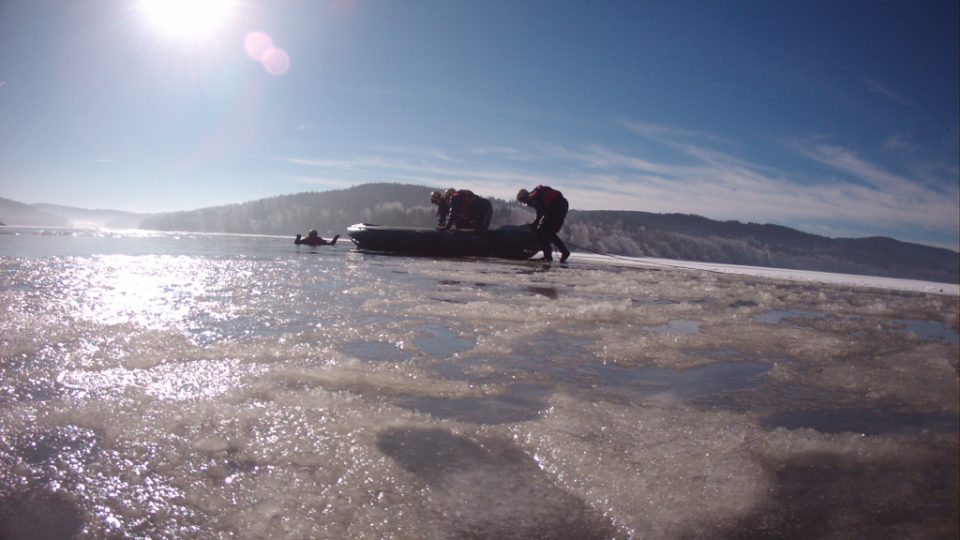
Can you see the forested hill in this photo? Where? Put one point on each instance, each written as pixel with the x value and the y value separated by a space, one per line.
pixel 330 212
pixel 17 213
pixel 673 236
pixel 689 237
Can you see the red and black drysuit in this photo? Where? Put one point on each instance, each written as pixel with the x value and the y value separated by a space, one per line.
pixel 551 207
pixel 468 211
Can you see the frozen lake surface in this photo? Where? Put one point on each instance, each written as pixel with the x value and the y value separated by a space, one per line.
pixel 157 385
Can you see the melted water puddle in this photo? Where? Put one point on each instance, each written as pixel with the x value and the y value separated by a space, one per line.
pixel 926 330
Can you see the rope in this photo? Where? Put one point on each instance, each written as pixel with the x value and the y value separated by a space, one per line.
pixel 601 253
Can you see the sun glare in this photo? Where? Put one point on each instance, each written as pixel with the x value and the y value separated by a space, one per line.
pixel 187 19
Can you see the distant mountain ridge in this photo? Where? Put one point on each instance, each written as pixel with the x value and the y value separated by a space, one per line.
pixel 627 233
pixel 15 213
pixel 83 218
pixel 690 237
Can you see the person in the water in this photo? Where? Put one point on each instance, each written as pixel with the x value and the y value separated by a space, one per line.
pixel 551 207
pixel 313 239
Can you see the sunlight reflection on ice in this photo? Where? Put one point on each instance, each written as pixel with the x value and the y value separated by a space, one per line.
pixel 178 381
pixel 152 292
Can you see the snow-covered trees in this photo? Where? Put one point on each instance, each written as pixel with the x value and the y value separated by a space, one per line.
pixel 638 234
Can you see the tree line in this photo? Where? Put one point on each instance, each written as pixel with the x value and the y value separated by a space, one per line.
pixel 626 233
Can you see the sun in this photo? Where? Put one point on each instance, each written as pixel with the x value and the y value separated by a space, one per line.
pixel 187 19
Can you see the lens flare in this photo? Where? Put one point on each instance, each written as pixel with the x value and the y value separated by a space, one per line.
pixel 260 47
pixel 276 62
pixel 257 44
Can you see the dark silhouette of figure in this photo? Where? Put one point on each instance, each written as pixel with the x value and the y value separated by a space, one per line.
pixel 551 207
pixel 443 206
pixel 313 239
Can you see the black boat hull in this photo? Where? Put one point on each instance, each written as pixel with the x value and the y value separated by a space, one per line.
pixel 507 242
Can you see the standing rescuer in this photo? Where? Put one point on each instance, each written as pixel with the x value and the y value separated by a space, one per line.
pixel 551 207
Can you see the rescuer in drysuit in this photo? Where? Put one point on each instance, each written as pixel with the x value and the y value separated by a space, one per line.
pixel 551 209
pixel 467 211
pixel 443 207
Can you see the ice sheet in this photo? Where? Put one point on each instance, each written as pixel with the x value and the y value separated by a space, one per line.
pixel 278 393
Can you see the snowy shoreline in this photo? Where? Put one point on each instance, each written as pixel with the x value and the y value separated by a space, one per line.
pixel 811 276
pixel 898 284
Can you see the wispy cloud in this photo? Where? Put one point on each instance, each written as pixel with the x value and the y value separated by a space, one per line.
pixel 876 88
pixel 889 196
pixel 899 141
pixel 698 178
pixel 333 183
pixel 429 168
pixel 847 161
pixel 502 152
pixel 670 133
pixel 425 152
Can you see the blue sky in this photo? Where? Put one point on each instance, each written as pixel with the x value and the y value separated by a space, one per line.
pixel 837 117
